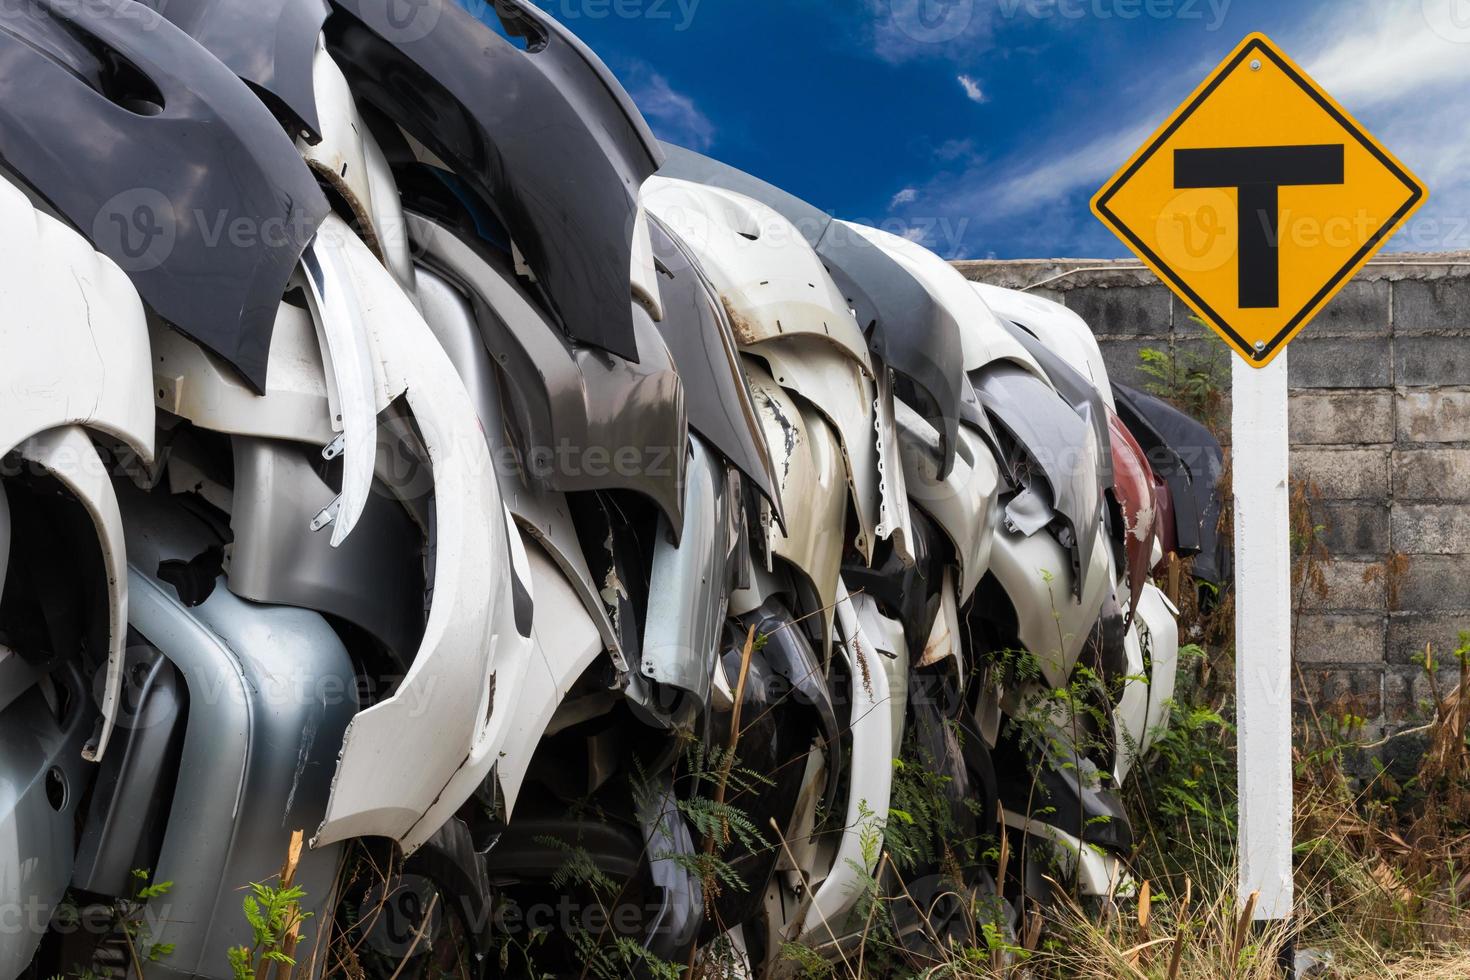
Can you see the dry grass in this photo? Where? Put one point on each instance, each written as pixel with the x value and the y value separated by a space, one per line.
pixel 1382 871
pixel 1184 938
pixel 1382 884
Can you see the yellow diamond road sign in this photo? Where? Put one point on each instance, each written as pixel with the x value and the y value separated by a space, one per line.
pixel 1258 199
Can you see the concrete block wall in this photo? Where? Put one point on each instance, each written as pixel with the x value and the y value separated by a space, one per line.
pixel 1380 424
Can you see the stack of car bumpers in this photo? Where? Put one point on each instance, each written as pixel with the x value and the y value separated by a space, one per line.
pixel 404 448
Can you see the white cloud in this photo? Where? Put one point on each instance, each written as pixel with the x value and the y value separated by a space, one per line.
pixel 1402 67
pixel 951 150
pixel 671 114
pixel 1040 175
pixel 1382 52
pixel 906 196
pixel 972 88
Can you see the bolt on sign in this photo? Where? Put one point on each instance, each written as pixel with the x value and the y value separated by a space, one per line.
pixel 1258 199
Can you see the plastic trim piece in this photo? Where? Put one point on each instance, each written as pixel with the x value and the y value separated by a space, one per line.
pixel 398 777
pixel 558 154
pixel 543 514
pixel 1062 331
pixel 965 504
pixel 911 333
pixel 192 383
pixel 809 458
pixel 128 813
pixel 982 335
pixel 271 692
pixel 1157 622
pixel 771 282
pixel 1097 873
pixel 350 161
pixel 696 327
pixel 4 540
pixel 885 635
pixel 191 157
pixel 1055 623
pixel 76 355
pixel 1086 400
pixel 895 523
pixel 268 43
pixel 375 580
pixel 1062 443
pixel 74 335
pixel 1190 458
pixel 671 857
pixel 566 643
pixel 687 589
pixel 843 392
pixel 1130 711
pixel 561 398
pixel 36 838
pixel 348 354
pixel 1133 491
pixel 68 455
pixel 870 784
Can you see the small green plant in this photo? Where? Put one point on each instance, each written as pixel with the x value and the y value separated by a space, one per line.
pixel 275 916
pixel 718 820
pixel 130 920
pixel 604 955
pixel 807 962
pixel 1194 381
pixel 622 957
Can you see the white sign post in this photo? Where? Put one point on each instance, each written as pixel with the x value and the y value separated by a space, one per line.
pixel 1260 476
pixel 1251 167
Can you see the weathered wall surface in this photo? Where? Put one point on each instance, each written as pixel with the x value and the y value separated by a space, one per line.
pixel 1380 423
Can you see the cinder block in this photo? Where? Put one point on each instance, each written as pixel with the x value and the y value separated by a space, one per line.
pixel 1431 474
pixel 1425 361
pixel 1357 690
pixel 1441 415
pixel 1328 418
pixel 1343 474
pixel 1408 695
pixel 1361 309
pixel 1355 528
pixel 1123 311
pixel 1122 359
pixel 1436 583
pixel 1431 305
pixel 1352 586
pixel 1410 632
pixel 1339 362
pixel 1340 638
pixel 1431 529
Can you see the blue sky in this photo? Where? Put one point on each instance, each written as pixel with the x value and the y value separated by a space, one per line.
pixel 982 127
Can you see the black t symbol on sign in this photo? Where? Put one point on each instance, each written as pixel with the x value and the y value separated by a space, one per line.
pixel 1258 173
